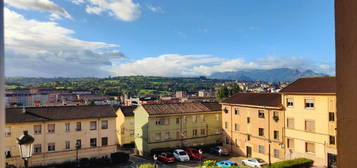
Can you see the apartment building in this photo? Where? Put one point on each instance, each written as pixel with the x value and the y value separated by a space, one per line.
pixel 56 131
pixel 125 125
pixel 176 125
pixel 310 116
pixel 253 125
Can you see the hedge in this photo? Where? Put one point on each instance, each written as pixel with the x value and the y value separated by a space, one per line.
pixel 147 166
pixel 295 163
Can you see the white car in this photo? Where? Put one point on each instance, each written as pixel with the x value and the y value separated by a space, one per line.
pixel 181 155
pixel 254 162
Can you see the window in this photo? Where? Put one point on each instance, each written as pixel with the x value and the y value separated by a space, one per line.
pixel 178 134
pixel 236 111
pixel 51 147
pixel 203 131
pixel 248 120
pixel 162 121
pixel 67 145
pixel 290 123
pixel 331 116
pixel 217 117
pixel 309 103
pixel 261 114
pixel 167 135
pixel 131 132
pixel 184 119
pixel 332 140
pixel 276 153
pixel 276 135
pixel 167 121
pixel 37 129
pixel 79 143
pixel 218 130
pixel 226 125
pixel 309 125
pixel 237 142
pixel 93 142
pixel 261 131
pixel 248 137
pixel 194 132
pixel 7 131
pixel 236 127
pixel 290 143
pixel 261 149
pixel 158 136
pixel 104 141
pixel 78 126
pixel 51 128
pixel 37 148
pixel 290 102
pixel 177 120
pixel 202 118
pixel 67 127
pixel 309 147
pixel 93 125
pixel 276 115
pixel 227 140
pixel 7 153
pixel 225 110
pixel 184 134
pixel 194 118
pixel 105 124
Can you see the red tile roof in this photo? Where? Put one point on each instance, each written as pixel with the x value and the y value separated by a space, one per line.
pixel 161 109
pixel 256 99
pixel 317 85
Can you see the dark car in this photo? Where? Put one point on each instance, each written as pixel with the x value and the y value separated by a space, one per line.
pixel 166 157
pixel 219 150
pixel 193 153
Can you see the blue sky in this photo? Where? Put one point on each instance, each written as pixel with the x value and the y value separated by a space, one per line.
pixel 166 38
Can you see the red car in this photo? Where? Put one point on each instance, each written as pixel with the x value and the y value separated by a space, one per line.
pixel 193 153
pixel 166 157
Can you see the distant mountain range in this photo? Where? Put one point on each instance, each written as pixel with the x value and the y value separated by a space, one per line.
pixel 268 75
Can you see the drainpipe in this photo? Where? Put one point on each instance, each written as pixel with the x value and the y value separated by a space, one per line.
pixel 269 139
pixel 2 84
pixel 231 111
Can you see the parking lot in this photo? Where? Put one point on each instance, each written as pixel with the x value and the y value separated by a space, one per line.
pixel 136 161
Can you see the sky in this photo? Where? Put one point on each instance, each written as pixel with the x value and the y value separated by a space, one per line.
pixel 99 38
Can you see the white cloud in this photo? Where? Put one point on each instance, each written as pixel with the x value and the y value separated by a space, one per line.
pixel 35 48
pixel 194 65
pixel 56 11
pixel 125 10
pixel 155 9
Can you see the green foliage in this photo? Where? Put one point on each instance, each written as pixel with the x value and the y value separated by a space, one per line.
pixel 295 163
pixel 209 163
pixel 147 166
pixel 224 92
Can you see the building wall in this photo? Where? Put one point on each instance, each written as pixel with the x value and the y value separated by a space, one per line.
pixel 59 137
pixel 323 104
pixel 237 140
pixel 124 128
pixel 148 137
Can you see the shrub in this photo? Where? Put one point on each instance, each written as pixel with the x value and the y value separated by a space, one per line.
pixel 147 166
pixel 209 163
pixel 295 163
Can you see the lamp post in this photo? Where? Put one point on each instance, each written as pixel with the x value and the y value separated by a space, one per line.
pixel 200 152
pixel 155 160
pixel 78 146
pixel 25 146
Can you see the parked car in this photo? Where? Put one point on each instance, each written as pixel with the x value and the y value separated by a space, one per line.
pixel 219 150
pixel 226 163
pixel 181 155
pixel 166 157
pixel 193 153
pixel 254 162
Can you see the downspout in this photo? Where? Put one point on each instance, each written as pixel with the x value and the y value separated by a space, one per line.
pixel 231 111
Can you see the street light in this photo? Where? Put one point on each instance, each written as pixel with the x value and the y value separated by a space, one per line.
pixel 25 146
pixel 78 146
pixel 200 152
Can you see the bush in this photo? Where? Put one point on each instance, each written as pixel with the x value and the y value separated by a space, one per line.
pixel 295 163
pixel 147 166
pixel 209 163
pixel 119 157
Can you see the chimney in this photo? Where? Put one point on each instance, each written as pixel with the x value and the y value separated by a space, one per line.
pixel 23 110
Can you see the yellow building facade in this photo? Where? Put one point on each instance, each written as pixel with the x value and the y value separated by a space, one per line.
pixel 125 125
pixel 176 125
pixel 253 125
pixel 310 119
pixel 56 131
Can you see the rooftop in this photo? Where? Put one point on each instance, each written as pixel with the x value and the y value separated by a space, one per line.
pixel 128 110
pixel 256 99
pixel 317 85
pixel 178 108
pixel 36 114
